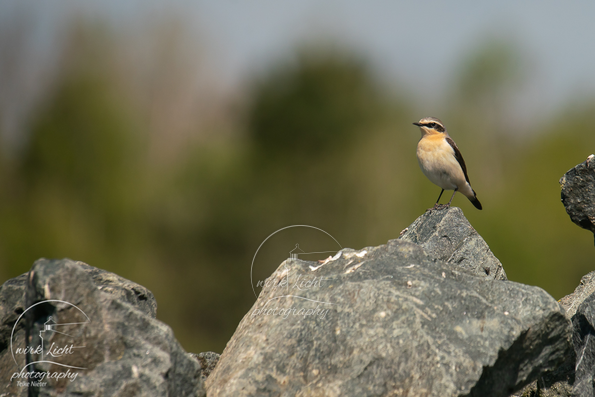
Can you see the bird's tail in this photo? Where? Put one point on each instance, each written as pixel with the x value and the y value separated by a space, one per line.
pixel 475 201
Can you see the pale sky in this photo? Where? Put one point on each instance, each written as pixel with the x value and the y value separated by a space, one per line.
pixel 418 43
pixel 415 44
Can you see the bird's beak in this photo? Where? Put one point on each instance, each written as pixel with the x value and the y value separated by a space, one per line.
pixel 417 124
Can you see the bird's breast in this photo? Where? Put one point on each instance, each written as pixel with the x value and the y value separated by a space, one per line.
pixel 438 163
pixel 433 152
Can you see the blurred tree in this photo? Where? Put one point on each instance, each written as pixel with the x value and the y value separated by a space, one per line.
pixel 490 73
pixel 317 104
pixel 74 190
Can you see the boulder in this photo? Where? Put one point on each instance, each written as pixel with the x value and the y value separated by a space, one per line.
pixel 12 305
pixel 446 235
pixel 97 333
pixel 578 193
pixel 393 320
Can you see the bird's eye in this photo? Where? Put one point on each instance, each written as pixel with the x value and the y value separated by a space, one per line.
pixel 432 125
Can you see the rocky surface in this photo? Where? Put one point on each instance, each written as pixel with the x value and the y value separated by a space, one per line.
pixel 574 377
pixel 578 379
pixel 122 289
pixel 12 303
pixel 584 346
pixel 104 337
pixel 584 290
pixel 447 236
pixel 392 320
pixel 578 193
pixel 207 361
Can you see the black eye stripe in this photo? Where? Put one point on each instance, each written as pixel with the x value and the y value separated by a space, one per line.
pixel 435 126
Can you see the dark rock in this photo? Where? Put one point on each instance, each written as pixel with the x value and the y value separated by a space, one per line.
pixel 544 387
pixel 578 193
pixel 122 289
pixel 391 321
pixel 555 383
pixel 584 346
pixel 12 305
pixel 109 346
pixel 446 235
pixel 580 307
pixel 568 380
pixel 563 381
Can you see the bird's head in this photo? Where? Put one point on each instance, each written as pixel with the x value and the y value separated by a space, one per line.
pixel 430 126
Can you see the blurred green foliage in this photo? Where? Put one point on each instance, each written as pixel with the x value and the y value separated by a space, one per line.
pixel 313 106
pixel 318 141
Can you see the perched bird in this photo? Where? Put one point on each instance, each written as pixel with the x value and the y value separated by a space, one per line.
pixel 442 162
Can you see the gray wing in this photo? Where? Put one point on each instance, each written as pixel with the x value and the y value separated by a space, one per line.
pixel 458 156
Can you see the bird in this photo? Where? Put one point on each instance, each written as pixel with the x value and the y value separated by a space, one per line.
pixel 441 161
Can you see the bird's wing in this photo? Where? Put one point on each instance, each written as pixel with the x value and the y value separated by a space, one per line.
pixel 458 156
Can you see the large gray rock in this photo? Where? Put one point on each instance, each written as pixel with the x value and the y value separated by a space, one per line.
pixel 390 321
pixel 105 340
pixel 578 193
pixel 13 304
pixel 446 235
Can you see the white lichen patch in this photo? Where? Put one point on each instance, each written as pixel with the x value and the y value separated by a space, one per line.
pixel 314 268
pixel 359 254
pixel 354 268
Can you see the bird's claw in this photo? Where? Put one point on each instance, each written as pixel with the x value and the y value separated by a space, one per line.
pixel 439 207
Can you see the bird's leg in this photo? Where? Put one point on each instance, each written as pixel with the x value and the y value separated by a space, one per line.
pixel 453 196
pixel 436 205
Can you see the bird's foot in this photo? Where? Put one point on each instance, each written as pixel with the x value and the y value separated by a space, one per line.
pixel 439 207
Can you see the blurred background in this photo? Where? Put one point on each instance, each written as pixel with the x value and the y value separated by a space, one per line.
pixel 165 142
